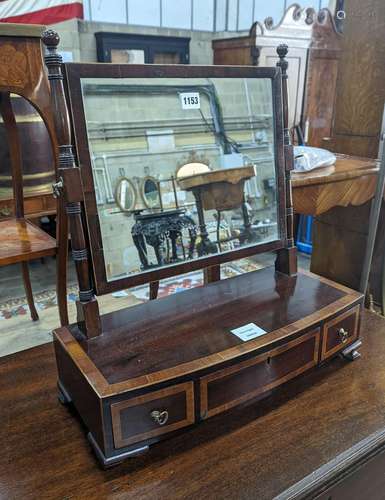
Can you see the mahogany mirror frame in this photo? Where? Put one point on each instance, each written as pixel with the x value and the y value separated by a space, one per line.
pixel 74 72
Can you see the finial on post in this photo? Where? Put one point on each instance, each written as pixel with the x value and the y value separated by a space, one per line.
pixel 50 39
pixel 52 59
pixel 282 51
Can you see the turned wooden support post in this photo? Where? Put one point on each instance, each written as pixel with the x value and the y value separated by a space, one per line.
pixel 287 257
pixel 70 187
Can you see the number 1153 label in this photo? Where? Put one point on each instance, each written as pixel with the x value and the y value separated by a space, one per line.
pixel 190 100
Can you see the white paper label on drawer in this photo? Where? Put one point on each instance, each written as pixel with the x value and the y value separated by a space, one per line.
pixel 248 332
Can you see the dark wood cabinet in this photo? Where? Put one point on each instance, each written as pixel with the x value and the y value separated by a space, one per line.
pixel 139 49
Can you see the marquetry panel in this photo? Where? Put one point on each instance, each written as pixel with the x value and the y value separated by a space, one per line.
pixel 339 332
pixel 132 421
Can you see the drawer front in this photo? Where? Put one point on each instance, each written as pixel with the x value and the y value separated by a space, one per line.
pixel 33 205
pixel 340 332
pixel 222 390
pixel 50 202
pixel 153 414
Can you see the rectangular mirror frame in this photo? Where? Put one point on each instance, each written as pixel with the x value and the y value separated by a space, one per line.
pixel 74 72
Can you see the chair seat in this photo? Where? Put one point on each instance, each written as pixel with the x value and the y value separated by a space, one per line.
pixel 20 240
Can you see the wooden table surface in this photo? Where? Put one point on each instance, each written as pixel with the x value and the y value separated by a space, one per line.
pixel 256 451
pixel 351 181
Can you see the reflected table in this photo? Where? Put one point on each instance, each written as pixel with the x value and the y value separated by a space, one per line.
pixel 158 229
pixel 219 190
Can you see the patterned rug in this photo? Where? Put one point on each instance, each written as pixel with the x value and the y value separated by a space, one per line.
pixel 177 284
pixel 43 300
pixel 191 280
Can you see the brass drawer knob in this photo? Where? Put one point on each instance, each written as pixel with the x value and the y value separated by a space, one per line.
pixel 160 416
pixel 343 334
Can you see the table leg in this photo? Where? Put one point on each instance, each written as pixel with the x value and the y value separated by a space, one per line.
pixel 140 245
pixel 173 237
pixel 205 246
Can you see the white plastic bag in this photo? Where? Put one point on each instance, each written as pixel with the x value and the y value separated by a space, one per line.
pixel 308 158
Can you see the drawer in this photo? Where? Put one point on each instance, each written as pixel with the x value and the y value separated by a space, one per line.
pixel 50 203
pixel 152 414
pixel 340 332
pixel 224 389
pixel 33 205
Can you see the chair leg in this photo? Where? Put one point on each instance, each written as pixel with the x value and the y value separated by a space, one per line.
pixel 28 291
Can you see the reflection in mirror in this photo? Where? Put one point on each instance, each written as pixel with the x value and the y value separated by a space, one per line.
pixel 151 193
pixel 125 195
pixel 192 163
pixel 192 169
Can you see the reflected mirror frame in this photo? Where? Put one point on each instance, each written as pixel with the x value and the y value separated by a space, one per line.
pixel 133 191
pixel 143 192
pixel 74 72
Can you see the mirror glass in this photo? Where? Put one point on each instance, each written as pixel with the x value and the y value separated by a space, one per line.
pixel 183 168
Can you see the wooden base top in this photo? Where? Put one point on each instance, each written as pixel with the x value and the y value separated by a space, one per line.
pixel 256 451
pixel 191 331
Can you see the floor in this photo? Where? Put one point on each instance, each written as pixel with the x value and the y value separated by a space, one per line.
pixel 19 332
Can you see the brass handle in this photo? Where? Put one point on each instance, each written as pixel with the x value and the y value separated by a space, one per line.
pixel 160 416
pixel 343 335
pixel 57 188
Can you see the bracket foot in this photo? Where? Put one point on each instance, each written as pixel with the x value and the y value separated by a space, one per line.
pixel 107 462
pixel 351 353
